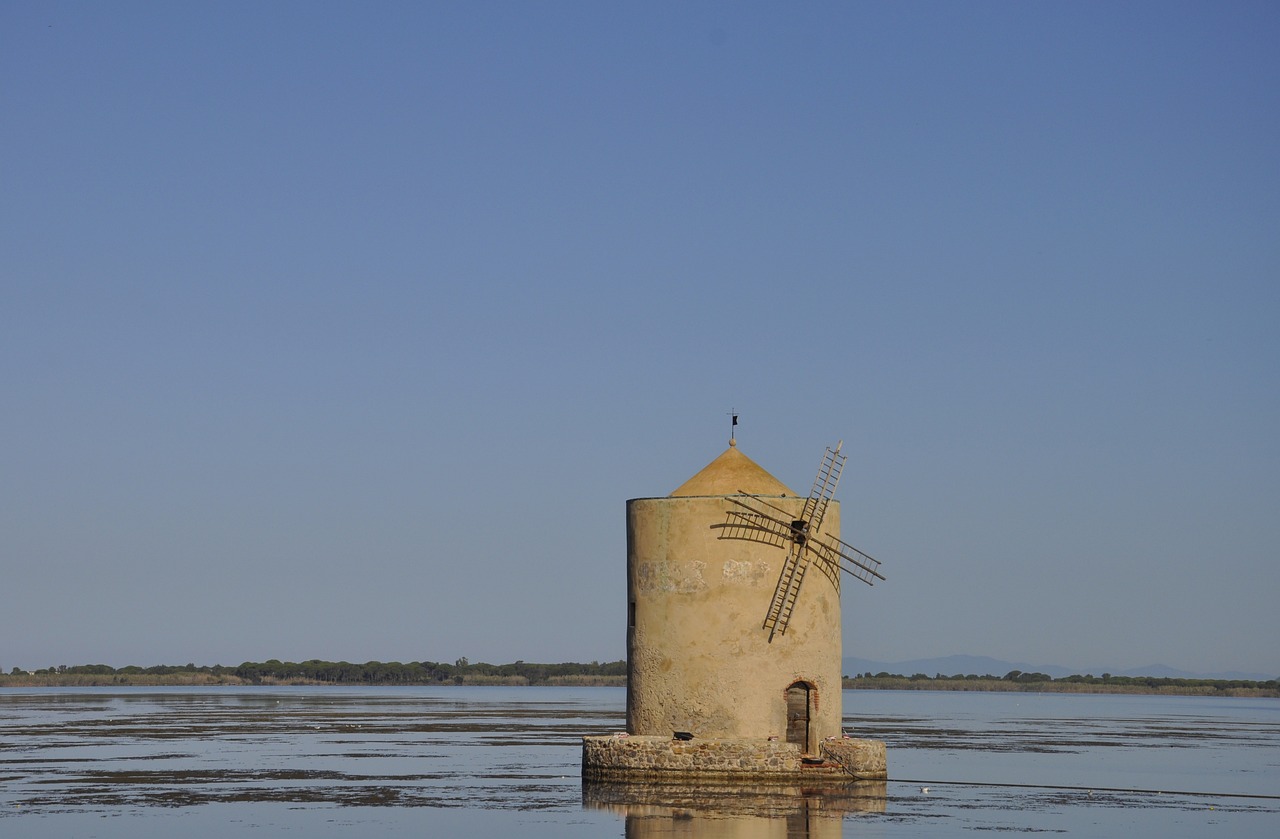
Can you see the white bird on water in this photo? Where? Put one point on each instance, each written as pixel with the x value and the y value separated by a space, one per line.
pixel 924 790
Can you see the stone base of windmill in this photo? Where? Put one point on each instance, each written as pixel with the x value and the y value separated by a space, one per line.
pixel 622 757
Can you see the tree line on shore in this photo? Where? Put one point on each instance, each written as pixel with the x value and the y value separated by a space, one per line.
pixel 1088 683
pixel 274 671
pixel 463 672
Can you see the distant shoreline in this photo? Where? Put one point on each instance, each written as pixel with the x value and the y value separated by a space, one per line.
pixel 320 672
pixel 187 680
pixel 1117 685
pixel 572 674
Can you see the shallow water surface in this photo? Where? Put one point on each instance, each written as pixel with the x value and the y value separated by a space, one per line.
pixel 142 762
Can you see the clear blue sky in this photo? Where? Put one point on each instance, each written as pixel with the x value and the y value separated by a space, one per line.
pixel 345 330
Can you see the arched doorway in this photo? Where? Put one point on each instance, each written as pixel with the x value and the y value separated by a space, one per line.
pixel 799 711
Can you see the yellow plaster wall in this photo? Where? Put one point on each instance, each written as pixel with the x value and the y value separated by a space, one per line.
pixel 698 659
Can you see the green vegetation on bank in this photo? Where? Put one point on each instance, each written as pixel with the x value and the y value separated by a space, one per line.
pixel 1016 680
pixel 315 671
pixel 614 673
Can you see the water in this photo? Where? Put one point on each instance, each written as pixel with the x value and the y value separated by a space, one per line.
pixel 205 762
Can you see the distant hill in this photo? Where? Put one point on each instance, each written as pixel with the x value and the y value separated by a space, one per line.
pixel 978 665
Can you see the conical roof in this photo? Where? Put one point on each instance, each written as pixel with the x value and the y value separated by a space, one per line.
pixel 731 473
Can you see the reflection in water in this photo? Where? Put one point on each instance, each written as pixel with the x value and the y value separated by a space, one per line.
pixel 786 811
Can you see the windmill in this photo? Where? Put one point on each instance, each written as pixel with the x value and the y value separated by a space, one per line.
pixel 761 521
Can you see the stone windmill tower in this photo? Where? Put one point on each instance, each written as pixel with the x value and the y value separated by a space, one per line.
pixel 722 640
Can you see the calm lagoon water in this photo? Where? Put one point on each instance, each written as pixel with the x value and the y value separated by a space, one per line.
pixel 206 762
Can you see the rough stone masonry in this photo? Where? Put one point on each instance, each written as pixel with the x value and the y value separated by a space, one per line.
pixel 625 757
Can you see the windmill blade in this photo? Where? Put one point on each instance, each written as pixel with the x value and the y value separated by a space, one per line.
pixel 787 590
pixel 824 487
pixel 757 525
pixel 865 557
pixel 757 500
pixel 786 514
pixel 753 527
pixel 770 524
pixel 794 529
pixel 873 564
pixel 852 561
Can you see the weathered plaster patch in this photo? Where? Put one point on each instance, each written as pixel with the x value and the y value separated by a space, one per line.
pixel 745 571
pixel 665 576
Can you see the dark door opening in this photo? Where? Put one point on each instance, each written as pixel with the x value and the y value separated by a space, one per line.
pixel 798 715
